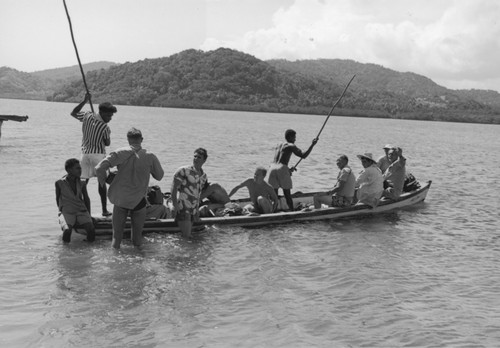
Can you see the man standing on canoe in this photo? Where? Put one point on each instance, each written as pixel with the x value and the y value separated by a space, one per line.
pixel 96 136
pixel 280 176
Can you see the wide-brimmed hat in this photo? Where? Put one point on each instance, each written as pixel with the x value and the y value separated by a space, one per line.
pixel 368 156
pixel 388 146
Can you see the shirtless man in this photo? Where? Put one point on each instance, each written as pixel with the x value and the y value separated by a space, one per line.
pixel 263 197
pixel 280 175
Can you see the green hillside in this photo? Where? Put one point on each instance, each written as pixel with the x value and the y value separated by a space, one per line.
pixel 232 80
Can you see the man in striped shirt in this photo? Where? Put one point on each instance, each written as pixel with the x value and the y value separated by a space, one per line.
pixel 96 136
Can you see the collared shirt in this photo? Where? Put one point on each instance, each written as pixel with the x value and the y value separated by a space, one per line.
pixel 383 163
pixel 130 184
pixel 95 132
pixel 346 175
pixel 370 184
pixel 190 183
pixel 396 174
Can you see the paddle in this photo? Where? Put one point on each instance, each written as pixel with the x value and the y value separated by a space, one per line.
pixel 77 55
pixel 324 123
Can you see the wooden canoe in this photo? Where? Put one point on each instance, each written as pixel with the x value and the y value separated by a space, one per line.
pixel 104 226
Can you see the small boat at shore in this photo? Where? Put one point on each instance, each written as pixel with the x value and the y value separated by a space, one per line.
pixel 104 226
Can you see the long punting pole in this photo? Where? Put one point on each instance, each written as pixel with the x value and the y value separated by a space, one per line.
pixel 329 114
pixel 77 55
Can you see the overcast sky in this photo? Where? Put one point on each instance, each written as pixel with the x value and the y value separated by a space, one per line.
pixel 456 43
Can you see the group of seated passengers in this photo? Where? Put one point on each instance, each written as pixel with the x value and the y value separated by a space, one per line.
pixel 382 178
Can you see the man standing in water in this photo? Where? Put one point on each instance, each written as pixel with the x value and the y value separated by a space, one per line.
pixel 96 136
pixel 128 189
pixel 280 176
pixel 186 190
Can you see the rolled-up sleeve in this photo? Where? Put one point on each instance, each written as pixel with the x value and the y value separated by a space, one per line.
pixel 157 170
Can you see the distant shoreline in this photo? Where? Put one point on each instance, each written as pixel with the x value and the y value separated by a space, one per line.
pixel 437 115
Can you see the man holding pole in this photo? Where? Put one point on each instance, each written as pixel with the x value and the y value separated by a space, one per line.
pixel 280 176
pixel 96 136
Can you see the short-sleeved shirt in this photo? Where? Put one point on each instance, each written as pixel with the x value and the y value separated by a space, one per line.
pixel 130 184
pixel 190 184
pixel 371 185
pixel 383 163
pixel 346 175
pixel 95 132
pixel 396 174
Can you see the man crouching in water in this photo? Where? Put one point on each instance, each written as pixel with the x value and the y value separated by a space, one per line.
pixel 73 202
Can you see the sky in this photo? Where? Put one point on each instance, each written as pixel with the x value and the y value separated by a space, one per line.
pixel 456 43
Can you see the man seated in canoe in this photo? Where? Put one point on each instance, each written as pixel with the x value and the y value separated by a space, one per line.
pixel 264 199
pixel 395 174
pixel 342 194
pixel 213 200
pixel 370 182
pixel 73 202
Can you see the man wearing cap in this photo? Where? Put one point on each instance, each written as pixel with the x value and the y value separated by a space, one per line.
pixel 384 162
pixel 395 174
pixel 279 173
pixel 96 136
pixel 370 182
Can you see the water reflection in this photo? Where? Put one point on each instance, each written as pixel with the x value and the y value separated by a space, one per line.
pixel 102 292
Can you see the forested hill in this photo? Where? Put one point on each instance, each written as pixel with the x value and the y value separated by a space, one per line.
pixel 41 84
pixel 232 80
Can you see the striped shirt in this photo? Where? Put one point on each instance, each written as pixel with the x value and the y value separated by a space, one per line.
pixel 95 133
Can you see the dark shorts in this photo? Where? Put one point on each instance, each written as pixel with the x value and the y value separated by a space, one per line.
pixel 142 204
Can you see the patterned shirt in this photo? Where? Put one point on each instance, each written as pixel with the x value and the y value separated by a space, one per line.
pixel 190 186
pixel 95 133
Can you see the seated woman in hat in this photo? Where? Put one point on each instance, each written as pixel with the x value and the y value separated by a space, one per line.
pixel 370 182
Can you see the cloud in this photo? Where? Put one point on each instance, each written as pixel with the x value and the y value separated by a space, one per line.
pixel 450 41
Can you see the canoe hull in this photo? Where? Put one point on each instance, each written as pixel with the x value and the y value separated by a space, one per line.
pixel 104 226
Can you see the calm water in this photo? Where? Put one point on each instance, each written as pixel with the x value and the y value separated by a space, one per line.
pixel 428 276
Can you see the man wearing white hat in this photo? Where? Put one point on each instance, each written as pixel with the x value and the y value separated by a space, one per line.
pixel 384 162
pixel 370 182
